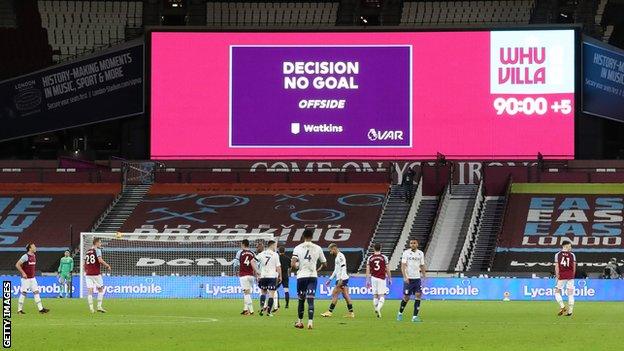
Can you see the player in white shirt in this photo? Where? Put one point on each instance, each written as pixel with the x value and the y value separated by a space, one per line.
pixel 342 282
pixel 270 275
pixel 413 269
pixel 305 259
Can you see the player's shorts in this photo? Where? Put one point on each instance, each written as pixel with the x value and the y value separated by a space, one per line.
pixel 411 287
pixel 285 281
pixel 345 283
pixel 246 282
pixel 94 281
pixel 306 287
pixel 379 286
pixel 65 277
pixel 568 283
pixel 29 285
pixel 267 283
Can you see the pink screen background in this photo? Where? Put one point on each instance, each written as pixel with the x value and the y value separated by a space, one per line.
pixel 452 104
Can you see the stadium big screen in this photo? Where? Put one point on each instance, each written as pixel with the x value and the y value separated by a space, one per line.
pixel 466 94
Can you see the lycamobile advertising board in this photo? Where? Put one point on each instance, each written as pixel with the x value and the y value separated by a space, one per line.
pixel 433 288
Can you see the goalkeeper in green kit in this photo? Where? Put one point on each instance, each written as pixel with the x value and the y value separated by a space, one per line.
pixel 65 273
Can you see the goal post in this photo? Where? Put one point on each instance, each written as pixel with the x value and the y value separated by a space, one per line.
pixel 166 265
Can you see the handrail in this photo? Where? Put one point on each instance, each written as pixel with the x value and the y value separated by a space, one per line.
pixel 407 226
pixel 437 216
pixel 472 229
pixel 502 227
pixel 383 207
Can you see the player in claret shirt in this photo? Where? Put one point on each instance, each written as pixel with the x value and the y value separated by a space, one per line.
pixel 93 277
pixel 247 269
pixel 377 272
pixel 565 269
pixel 26 266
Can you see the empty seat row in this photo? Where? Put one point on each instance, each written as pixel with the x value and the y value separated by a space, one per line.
pixel 81 26
pixel 467 12
pixel 233 13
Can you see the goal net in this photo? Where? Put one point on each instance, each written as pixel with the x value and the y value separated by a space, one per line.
pixel 169 265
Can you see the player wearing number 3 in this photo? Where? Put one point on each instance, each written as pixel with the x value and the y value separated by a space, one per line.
pixel 565 269
pixel 93 276
pixel 377 274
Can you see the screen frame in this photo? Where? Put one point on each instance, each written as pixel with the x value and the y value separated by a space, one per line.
pixel 578 64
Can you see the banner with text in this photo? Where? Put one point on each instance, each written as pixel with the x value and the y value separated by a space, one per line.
pixel 603 88
pixel 433 288
pixel 537 225
pixel 95 89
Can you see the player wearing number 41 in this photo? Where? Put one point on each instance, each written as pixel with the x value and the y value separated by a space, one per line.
pixel 565 269
pixel 26 265
pixel 93 276
pixel 377 273
pixel 305 259
pixel 270 275
pixel 413 269
pixel 247 269
pixel 342 282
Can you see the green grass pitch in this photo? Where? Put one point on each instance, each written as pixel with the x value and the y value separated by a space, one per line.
pixel 217 325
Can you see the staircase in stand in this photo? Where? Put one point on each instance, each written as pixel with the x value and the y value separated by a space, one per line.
pixel 487 230
pixel 391 222
pixel 451 227
pixel 122 208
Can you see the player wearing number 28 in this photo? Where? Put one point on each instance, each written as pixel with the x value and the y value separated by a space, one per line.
pixel 93 276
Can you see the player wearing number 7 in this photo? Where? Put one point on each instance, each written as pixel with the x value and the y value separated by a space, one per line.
pixel 93 276
pixel 565 269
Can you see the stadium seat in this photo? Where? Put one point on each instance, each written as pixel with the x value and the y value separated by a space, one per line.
pixel 270 13
pixel 88 25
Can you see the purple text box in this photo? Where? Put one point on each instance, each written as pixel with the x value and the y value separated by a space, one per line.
pixel 266 98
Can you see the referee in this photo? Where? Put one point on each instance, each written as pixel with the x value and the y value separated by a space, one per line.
pixel 285 262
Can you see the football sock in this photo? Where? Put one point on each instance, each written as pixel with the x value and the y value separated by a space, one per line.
pixel 310 308
pixel 375 302
pixel 380 303
pixel 248 303
pixel 90 301
pixel 270 304
pixel 276 299
pixel 416 307
pixel 570 303
pixel 262 299
pixel 286 297
pixel 100 297
pixel 20 302
pixel 350 307
pixel 331 307
pixel 38 302
pixel 300 308
pixel 403 304
pixel 559 299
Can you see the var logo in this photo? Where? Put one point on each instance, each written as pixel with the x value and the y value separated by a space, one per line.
pixel 375 135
